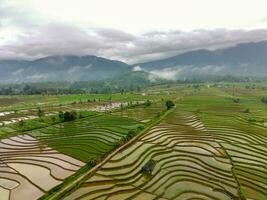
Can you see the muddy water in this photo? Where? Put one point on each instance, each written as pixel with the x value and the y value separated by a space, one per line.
pixel 36 174
pixel 4 194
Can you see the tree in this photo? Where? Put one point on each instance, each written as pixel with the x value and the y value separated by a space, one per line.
pixel 169 104
pixel 53 118
pixel 264 100
pixel 148 168
pixel 61 115
pixel 148 103
pixel 247 110
pixel 69 116
pixel 40 113
pixel 21 124
pixel 236 100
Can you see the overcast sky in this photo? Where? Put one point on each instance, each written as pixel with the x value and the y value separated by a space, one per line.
pixel 128 30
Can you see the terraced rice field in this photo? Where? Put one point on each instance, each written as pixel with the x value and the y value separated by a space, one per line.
pixel 209 148
pixel 246 144
pixel 190 164
pixel 142 113
pixel 89 138
pixel 29 168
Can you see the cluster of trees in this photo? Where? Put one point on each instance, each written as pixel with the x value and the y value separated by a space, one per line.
pixel 169 104
pixel 31 89
pixel 6 90
pixel 67 116
pixel 148 103
pixel 43 89
pixel 123 85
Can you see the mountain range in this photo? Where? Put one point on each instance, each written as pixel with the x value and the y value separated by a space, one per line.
pixel 247 59
pixel 61 68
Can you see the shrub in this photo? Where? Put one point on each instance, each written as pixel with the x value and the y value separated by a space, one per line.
pixel 69 116
pixel 61 115
pixel 252 120
pixel 53 118
pixel 264 100
pixel 148 168
pixel 131 132
pixel 40 113
pixel 247 110
pixel 236 100
pixel 21 124
pixel 169 104
pixel 147 103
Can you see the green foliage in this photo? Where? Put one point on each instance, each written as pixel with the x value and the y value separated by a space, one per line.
pixel 247 110
pixel 40 113
pixel 148 103
pixel 252 120
pixel 131 133
pixel 69 116
pixel 264 100
pixel 53 119
pixel 237 100
pixel 169 104
pixel 140 128
pixel 21 124
pixel 61 115
pixel 148 168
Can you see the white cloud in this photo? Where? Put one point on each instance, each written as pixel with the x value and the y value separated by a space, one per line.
pixel 88 66
pixel 131 31
pixel 18 72
pixel 167 73
pixel 37 77
pixel 73 69
pixel 140 16
pixel 64 39
pixel 137 68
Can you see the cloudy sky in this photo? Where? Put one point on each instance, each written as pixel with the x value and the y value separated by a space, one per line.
pixel 129 30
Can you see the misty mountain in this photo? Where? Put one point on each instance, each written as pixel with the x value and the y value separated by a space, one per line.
pixel 61 68
pixel 247 59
